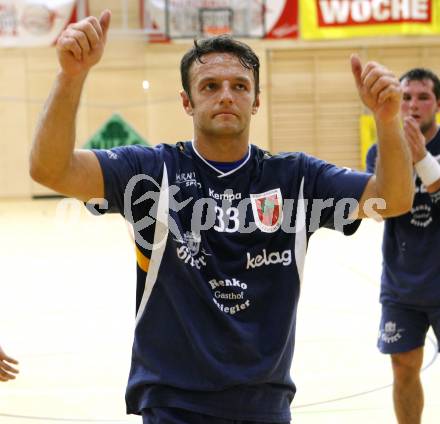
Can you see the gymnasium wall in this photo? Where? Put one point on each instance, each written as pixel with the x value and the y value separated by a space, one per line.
pixel 309 99
pixel 115 85
pixel 313 104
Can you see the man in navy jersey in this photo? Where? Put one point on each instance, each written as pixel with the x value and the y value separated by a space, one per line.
pixel 221 227
pixel 410 290
pixel 7 371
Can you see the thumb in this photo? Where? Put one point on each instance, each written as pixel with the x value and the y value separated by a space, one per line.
pixel 104 21
pixel 356 69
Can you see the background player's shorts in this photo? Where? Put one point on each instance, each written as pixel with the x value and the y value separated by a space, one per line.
pixel 404 328
pixel 181 416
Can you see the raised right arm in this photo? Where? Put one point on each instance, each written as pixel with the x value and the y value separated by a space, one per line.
pixel 54 162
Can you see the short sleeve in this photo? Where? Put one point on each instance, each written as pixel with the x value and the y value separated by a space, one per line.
pixel 371 158
pixel 333 193
pixel 120 167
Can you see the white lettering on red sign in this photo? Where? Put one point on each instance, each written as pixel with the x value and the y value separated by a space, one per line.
pixel 352 12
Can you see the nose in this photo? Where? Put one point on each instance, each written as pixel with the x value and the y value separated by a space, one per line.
pixel 413 103
pixel 226 96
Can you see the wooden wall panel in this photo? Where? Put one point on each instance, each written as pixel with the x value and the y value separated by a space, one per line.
pixel 14 180
pixel 309 102
pixel 314 106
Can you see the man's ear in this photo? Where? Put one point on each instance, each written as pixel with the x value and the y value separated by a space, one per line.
pixel 186 102
pixel 256 105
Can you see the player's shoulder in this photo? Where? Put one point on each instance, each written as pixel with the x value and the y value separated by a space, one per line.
pixel 279 157
pixel 130 150
pixel 159 149
pixel 434 145
pixel 299 159
pixel 300 162
pixel 140 156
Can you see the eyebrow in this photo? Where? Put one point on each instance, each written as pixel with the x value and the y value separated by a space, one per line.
pixel 422 93
pixel 214 78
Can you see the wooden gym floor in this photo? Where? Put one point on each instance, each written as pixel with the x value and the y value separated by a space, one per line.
pixel 67 289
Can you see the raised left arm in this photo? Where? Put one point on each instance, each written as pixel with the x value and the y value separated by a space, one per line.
pixel 392 185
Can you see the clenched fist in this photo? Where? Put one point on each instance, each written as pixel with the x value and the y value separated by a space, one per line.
pixel 378 88
pixel 81 45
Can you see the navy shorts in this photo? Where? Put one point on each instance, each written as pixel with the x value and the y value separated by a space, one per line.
pixel 181 416
pixel 404 328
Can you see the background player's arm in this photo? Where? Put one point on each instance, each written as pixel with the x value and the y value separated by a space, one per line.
pixel 417 145
pixel 54 162
pixel 380 91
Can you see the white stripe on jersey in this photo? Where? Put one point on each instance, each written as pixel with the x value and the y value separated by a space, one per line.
pixel 221 173
pixel 160 241
pixel 300 236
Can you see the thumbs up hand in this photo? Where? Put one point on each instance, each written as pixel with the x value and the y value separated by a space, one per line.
pixel 378 88
pixel 81 45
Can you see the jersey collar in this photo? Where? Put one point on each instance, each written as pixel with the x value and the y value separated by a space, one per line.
pixel 220 173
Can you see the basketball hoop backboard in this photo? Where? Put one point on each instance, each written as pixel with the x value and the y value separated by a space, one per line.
pixel 215 21
pixel 199 18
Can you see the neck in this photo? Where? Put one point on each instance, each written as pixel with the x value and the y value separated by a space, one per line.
pixel 227 149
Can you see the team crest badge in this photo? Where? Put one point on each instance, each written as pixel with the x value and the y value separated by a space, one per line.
pixel 193 242
pixel 390 328
pixel 267 208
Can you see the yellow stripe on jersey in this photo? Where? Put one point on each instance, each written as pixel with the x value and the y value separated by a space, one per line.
pixel 142 260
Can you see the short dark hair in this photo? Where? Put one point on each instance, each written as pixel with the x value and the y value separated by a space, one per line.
pixel 420 74
pixel 223 43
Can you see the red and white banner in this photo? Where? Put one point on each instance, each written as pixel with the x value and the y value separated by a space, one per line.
pixel 27 23
pixel 282 19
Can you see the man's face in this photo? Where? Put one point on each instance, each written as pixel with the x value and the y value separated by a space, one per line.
pixel 419 102
pixel 223 95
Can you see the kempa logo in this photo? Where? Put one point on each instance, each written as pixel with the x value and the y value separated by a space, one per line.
pixel 284 258
pixel 227 195
pixel 390 333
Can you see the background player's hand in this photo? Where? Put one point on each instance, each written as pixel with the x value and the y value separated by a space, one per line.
pixel 6 370
pixel 81 45
pixel 378 88
pixel 415 139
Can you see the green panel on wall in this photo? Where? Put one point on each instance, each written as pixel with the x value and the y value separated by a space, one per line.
pixel 114 133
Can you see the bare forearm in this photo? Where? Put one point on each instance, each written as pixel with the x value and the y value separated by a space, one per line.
pixel 394 173
pixel 54 138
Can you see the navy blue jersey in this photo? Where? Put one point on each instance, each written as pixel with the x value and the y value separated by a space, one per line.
pixel 220 260
pixel 411 246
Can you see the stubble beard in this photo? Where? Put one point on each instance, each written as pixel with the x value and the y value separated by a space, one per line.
pixel 427 126
pixel 223 131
